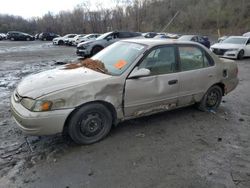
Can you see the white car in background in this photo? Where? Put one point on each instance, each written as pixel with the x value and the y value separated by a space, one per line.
pixel 3 36
pixel 234 47
pixel 85 38
pixel 60 40
pixel 246 34
pixel 71 41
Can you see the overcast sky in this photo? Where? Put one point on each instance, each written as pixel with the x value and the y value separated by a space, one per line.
pixel 35 8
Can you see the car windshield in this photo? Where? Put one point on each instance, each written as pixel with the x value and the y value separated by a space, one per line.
pixel 103 36
pixel 235 40
pixel 119 56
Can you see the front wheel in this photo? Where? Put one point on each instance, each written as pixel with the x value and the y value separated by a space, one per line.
pixel 60 42
pixel 241 55
pixel 90 124
pixel 27 39
pixel 211 100
pixel 96 49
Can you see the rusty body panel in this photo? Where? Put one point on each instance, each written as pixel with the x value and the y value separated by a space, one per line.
pixel 74 86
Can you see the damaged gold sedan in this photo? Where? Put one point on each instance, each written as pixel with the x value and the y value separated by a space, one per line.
pixel 128 79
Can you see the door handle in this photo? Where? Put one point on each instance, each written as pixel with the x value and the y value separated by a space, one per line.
pixel 172 82
pixel 210 75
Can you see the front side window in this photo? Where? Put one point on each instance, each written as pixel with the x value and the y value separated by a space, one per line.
pixel 192 58
pixel 160 61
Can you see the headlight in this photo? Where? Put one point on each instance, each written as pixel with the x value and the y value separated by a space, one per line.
pixel 234 49
pixel 84 45
pixel 28 103
pixel 42 105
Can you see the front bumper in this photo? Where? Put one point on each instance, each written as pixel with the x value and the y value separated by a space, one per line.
pixel 82 52
pixel 226 53
pixel 55 42
pixel 39 123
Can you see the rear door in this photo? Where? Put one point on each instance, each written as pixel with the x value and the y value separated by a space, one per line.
pixel 158 91
pixel 197 73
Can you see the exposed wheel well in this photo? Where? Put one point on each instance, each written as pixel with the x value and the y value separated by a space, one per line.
pixel 222 86
pixel 108 105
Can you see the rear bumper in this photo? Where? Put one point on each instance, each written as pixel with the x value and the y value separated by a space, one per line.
pixel 39 123
pixel 230 85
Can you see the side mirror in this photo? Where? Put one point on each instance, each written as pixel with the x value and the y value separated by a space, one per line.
pixel 137 73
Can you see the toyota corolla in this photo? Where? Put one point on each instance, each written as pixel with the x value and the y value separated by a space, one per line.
pixel 126 80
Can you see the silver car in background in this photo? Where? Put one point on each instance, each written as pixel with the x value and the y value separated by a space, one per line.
pixel 126 80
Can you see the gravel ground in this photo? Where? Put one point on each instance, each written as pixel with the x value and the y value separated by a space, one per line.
pixel 184 148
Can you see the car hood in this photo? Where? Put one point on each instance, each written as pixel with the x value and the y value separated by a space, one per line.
pixel 86 43
pixel 58 38
pixel 227 46
pixel 43 83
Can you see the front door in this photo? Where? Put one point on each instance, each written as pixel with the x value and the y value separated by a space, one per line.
pixel 156 92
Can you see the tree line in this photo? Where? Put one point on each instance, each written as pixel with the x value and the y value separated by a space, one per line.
pixel 193 16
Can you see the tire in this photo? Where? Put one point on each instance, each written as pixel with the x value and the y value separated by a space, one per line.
pixel 211 100
pixel 95 50
pixel 90 124
pixel 241 55
pixel 60 42
pixel 28 39
pixel 12 39
pixel 44 39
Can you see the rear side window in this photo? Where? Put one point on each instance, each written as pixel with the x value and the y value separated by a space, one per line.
pixel 124 35
pixel 192 58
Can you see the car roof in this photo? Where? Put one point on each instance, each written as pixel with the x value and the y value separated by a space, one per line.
pixel 156 42
pixel 240 37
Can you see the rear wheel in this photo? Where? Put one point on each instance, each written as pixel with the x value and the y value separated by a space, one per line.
pixel 44 39
pixel 27 39
pixel 212 99
pixel 90 123
pixel 12 39
pixel 241 55
pixel 96 49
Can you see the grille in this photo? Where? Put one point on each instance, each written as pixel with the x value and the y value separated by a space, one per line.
pixel 80 48
pixel 17 97
pixel 219 51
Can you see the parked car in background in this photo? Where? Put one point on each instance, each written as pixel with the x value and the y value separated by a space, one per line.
pixel 235 47
pixel 88 37
pixel 16 35
pixel 47 36
pixel 70 41
pixel 220 39
pixel 3 36
pixel 196 38
pixel 161 36
pixel 60 40
pixel 36 36
pixel 90 48
pixel 173 35
pixel 149 34
pixel 129 79
pixel 246 34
